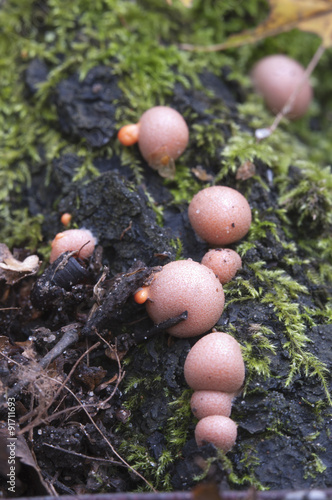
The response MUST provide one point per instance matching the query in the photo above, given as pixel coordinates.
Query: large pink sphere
(275, 78)
(220, 215)
(215, 363)
(185, 285)
(218, 430)
(163, 136)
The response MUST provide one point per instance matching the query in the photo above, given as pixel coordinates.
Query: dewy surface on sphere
(220, 215)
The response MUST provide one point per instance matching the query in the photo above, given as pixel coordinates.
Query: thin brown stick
(85, 353)
(59, 403)
(121, 372)
(49, 418)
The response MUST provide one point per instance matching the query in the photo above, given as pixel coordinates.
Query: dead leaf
(103, 386)
(245, 171)
(8, 349)
(4, 342)
(186, 3)
(321, 26)
(28, 265)
(201, 174)
(314, 16)
(13, 270)
(90, 376)
(206, 491)
(114, 354)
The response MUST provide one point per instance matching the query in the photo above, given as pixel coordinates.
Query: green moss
(176, 430)
(242, 147)
(177, 244)
(22, 229)
(311, 199)
(314, 466)
(184, 186)
(178, 424)
(247, 478)
(256, 353)
(280, 292)
(281, 299)
(207, 138)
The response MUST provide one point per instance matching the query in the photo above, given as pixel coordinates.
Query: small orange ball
(141, 295)
(65, 219)
(128, 134)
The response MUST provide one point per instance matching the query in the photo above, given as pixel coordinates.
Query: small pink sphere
(163, 136)
(220, 215)
(80, 240)
(185, 285)
(206, 403)
(218, 430)
(215, 363)
(224, 262)
(275, 78)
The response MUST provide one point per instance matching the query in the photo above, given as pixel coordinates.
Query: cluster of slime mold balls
(219, 215)
(214, 367)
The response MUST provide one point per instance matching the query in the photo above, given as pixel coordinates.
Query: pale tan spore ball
(206, 403)
(185, 285)
(224, 262)
(220, 215)
(218, 430)
(81, 240)
(163, 136)
(215, 363)
(275, 78)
